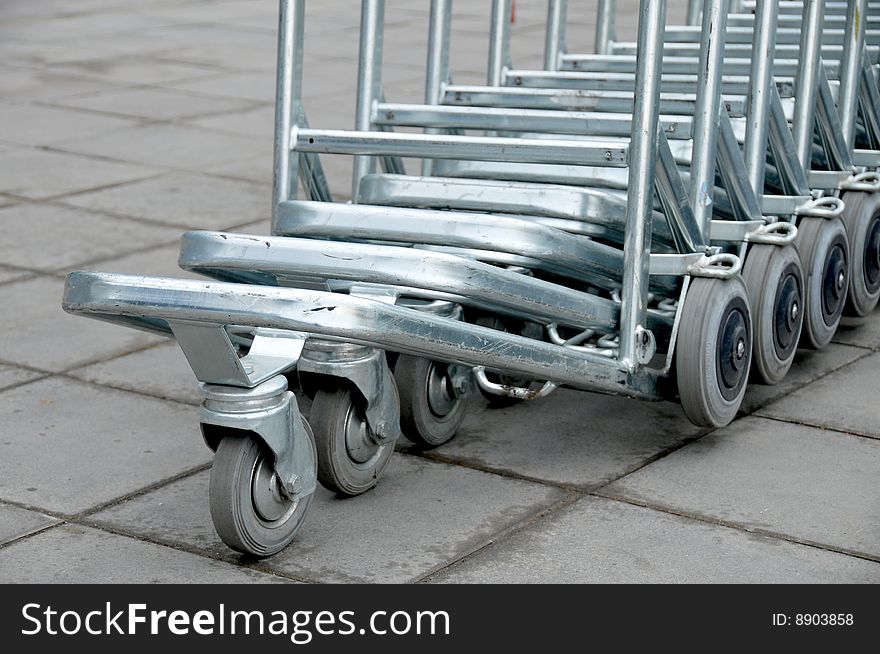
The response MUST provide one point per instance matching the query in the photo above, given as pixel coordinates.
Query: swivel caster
(825, 259)
(861, 217)
(714, 350)
(350, 457)
(433, 399)
(251, 511)
(775, 283)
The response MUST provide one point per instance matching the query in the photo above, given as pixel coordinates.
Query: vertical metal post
(806, 81)
(640, 195)
(554, 43)
(693, 12)
(708, 111)
(758, 101)
(288, 99)
(369, 80)
(605, 32)
(437, 71)
(499, 41)
(850, 67)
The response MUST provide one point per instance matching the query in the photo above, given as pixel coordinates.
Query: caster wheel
(825, 258)
(431, 409)
(714, 350)
(862, 221)
(250, 511)
(349, 460)
(775, 283)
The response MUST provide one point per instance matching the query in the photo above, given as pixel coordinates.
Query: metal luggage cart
(687, 118)
(838, 42)
(323, 312)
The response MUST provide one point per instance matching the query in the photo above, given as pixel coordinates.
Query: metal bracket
(718, 266)
(827, 206)
(367, 369)
(215, 359)
(270, 411)
(779, 233)
(868, 181)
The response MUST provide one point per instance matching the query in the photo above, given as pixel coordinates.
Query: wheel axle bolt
(840, 279)
(794, 310)
(740, 349)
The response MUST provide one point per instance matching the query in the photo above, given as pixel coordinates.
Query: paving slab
(602, 541)
(252, 168)
(161, 371)
(154, 103)
(38, 333)
(570, 437)
(257, 86)
(71, 554)
(39, 84)
(137, 70)
(69, 446)
(258, 122)
(14, 376)
(185, 200)
(163, 144)
(33, 124)
(49, 238)
(808, 484)
(9, 274)
(16, 522)
(160, 262)
(61, 173)
(420, 516)
(864, 332)
(808, 366)
(846, 400)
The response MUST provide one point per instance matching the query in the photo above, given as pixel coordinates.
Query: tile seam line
(736, 526)
(502, 536)
(833, 430)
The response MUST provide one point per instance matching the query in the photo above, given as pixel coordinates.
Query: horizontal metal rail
(477, 148)
(677, 104)
(150, 303)
(624, 63)
(595, 124)
(295, 259)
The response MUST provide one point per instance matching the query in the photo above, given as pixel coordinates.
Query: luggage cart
(838, 46)
(323, 312)
(491, 106)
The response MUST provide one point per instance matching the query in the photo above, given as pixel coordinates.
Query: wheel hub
(872, 256)
(734, 350)
(834, 282)
(270, 501)
(441, 394)
(358, 442)
(787, 313)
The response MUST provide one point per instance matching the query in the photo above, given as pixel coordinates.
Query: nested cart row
(663, 219)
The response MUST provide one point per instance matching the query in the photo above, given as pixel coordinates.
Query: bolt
(740, 349)
(841, 277)
(608, 155)
(795, 309)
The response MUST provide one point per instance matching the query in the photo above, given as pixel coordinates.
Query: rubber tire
(763, 272)
(418, 422)
(861, 218)
(337, 472)
(231, 500)
(707, 302)
(815, 238)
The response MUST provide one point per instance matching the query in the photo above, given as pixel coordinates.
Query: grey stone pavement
(123, 123)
